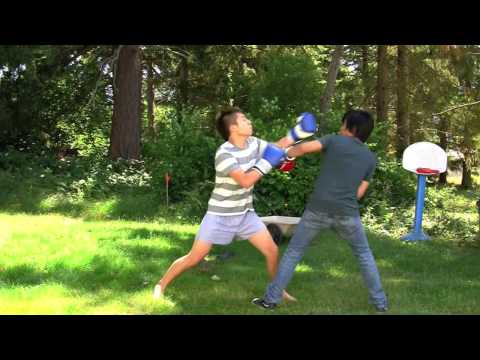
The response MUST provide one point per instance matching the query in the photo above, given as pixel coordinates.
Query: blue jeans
(349, 228)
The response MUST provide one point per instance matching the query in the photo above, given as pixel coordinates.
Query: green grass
(75, 255)
(54, 264)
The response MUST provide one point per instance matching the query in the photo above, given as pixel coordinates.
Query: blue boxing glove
(272, 157)
(306, 127)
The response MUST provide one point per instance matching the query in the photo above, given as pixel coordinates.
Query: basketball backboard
(425, 158)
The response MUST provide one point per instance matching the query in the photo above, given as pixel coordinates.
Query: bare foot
(158, 292)
(288, 297)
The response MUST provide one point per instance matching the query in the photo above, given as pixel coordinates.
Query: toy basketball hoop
(424, 159)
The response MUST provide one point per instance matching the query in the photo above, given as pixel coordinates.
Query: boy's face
(243, 127)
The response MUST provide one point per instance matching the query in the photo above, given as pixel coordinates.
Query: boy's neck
(351, 136)
(239, 141)
(346, 133)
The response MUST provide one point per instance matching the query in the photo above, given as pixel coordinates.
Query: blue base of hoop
(416, 236)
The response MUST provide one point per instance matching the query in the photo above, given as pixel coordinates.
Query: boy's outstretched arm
(284, 142)
(305, 148)
(272, 157)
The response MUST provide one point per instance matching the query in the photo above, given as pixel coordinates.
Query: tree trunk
(443, 144)
(364, 72)
(381, 83)
(403, 132)
(414, 121)
(150, 99)
(466, 174)
(182, 99)
(125, 134)
(326, 100)
(468, 154)
(468, 151)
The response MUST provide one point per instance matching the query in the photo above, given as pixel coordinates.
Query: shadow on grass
(130, 204)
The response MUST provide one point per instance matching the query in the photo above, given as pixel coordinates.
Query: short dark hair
(360, 123)
(225, 118)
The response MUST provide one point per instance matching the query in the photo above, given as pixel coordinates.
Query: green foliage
(66, 77)
(449, 219)
(286, 85)
(391, 186)
(74, 177)
(286, 194)
(389, 206)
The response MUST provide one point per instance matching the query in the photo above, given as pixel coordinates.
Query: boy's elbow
(361, 195)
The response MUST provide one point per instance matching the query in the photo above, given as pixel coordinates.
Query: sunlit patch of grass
(53, 264)
(54, 299)
(336, 272)
(303, 268)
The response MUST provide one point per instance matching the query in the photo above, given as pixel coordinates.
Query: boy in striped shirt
(239, 163)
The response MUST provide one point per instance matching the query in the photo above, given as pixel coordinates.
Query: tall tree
(333, 68)
(464, 65)
(403, 132)
(364, 71)
(326, 100)
(468, 157)
(381, 95)
(183, 88)
(443, 127)
(125, 133)
(150, 98)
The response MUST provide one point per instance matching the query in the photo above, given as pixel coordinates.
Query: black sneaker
(225, 256)
(381, 309)
(263, 304)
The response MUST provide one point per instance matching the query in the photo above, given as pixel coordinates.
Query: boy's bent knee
(193, 259)
(271, 251)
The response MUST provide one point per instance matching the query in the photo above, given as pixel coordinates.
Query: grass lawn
(57, 264)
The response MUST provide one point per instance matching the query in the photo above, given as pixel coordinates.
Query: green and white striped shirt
(228, 197)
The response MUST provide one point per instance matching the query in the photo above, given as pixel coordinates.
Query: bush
(188, 156)
(78, 177)
(286, 194)
(391, 186)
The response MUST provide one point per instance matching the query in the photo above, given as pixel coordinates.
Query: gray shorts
(221, 230)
